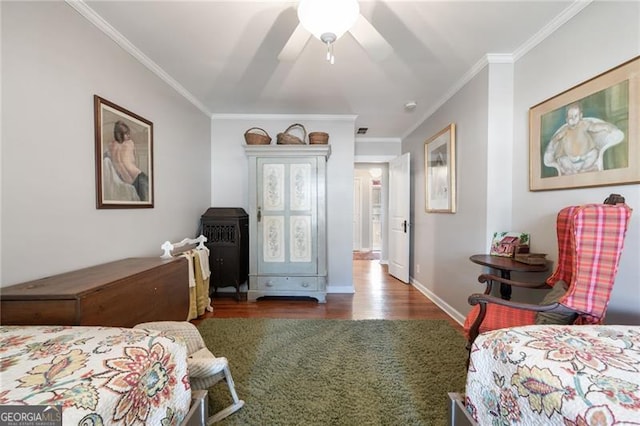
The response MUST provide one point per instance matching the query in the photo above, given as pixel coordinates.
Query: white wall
(575, 52)
(374, 150)
(229, 177)
(54, 61)
(499, 148)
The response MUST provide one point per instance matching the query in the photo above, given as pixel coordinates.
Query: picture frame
(440, 171)
(123, 156)
(509, 243)
(588, 135)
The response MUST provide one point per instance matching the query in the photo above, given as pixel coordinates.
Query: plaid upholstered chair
(590, 241)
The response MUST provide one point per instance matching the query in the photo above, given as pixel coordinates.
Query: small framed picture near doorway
(124, 157)
(440, 171)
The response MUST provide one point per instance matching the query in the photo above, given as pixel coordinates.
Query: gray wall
(54, 61)
(574, 53)
(441, 244)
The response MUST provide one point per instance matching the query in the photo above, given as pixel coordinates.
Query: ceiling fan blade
(370, 39)
(295, 44)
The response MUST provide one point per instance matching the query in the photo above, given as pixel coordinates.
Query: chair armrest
(490, 278)
(479, 298)
(484, 299)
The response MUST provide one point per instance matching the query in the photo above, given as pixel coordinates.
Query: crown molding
(313, 117)
(373, 158)
(475, 69)
(90, 15)
(504, 58)
(378, 140)
(499, 58)
(572, 10)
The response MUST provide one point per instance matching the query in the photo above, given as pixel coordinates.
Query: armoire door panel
(300, 187)
(273, 235)
(300, 242)
(273, 187)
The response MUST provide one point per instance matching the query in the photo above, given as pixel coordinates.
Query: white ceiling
(223, 55)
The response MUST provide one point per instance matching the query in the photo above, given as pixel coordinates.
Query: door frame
(381, 160)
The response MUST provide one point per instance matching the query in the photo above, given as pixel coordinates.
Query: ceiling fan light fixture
(328, 39)
(328, 20)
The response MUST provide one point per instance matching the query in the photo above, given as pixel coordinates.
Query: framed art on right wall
(588, 135)
(440, 171)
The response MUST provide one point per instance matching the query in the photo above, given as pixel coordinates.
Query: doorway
(370, 206)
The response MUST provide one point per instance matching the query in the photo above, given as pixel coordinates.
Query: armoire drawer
(288, 283)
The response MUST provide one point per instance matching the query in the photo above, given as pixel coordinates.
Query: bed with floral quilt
(98, 375)
(555, 375)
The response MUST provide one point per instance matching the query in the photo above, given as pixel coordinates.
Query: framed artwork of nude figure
(124, 157)
(589, 134)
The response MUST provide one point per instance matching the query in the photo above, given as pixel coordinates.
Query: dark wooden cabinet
(227, 233)
(116, 294)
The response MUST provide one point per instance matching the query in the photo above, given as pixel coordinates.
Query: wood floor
(377, 296)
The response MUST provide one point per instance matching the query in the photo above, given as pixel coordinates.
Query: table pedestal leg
(505, 289)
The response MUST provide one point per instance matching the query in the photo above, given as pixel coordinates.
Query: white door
(357, 213)
(399, 205)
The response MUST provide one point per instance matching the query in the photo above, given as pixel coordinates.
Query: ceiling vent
(362, 130)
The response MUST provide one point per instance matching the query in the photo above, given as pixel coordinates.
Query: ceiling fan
(327, 20)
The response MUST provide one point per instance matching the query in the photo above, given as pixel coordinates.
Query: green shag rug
(337, 372)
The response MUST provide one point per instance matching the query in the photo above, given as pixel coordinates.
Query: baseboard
(448, 309)
(340, 289)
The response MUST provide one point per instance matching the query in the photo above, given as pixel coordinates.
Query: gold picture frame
(588, 135)
(124, 157)
(440, 171)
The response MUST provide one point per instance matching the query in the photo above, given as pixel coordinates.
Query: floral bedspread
(99, 375)
(556, 375)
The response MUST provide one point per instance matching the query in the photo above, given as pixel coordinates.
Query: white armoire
(287, 220)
